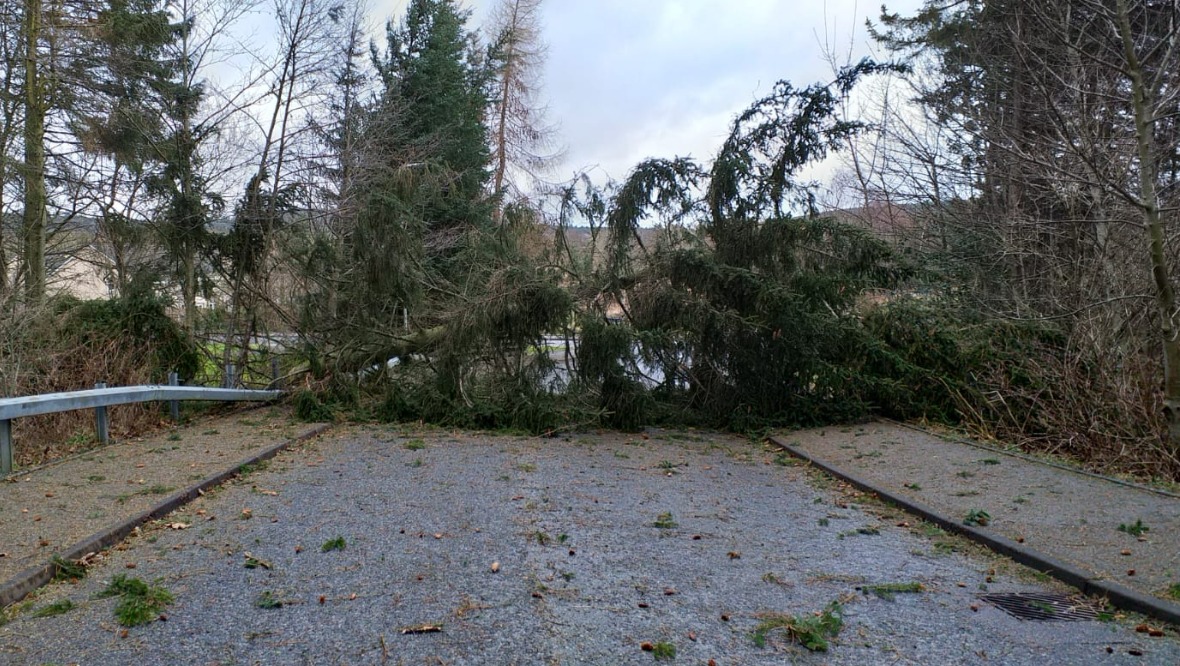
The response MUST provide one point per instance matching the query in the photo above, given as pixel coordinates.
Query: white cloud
(631, 79)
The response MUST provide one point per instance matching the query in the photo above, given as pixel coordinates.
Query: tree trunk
(1165, 294)
(33, 226)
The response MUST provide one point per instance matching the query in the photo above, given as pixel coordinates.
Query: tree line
(1000, 255)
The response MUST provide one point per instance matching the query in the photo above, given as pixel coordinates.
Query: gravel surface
(584, 574)
(45, 510)
(1073, 517)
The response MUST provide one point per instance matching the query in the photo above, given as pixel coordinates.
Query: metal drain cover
(1044, 607)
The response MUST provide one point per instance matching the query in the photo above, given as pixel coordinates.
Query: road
(600, 544)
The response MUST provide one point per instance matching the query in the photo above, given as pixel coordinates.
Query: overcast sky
(630, 79)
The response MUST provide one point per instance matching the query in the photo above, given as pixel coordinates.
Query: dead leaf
(178, 526)
(247, 514)
(643, 605)
(692, 636)
(51, 494)
(1125, 552)
(437, 535)
(647, 647)
(734, 555)
(253, 562)
(130, 565)
(323, 599)
(1130, 572)
(495, 567)
(423, 629)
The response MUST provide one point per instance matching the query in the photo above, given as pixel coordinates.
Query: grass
(913, 486)
(139, 603)
(1173, 591)
(417, 462)
(56, 608)
(333, 544)
(542, 538)
(990, 461)
(174, 437)
(526, 467)
(664, 521)
(889, 591)
(964, 474)
(785, 460)
(663, 651)
(415, 445)
(811, 631)
(977, 517)
(1135, 529)
(96, 478)
(157, 489)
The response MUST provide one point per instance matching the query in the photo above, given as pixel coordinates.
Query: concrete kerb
(1118, 595)
(25, 582)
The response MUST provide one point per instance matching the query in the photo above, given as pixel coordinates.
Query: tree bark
(1165, 294)
(33, 222)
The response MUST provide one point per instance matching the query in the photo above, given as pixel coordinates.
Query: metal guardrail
(100, 398)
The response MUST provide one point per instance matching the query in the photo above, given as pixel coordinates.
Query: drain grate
(1044, 607)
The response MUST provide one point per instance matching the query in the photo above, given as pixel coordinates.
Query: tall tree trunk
(33, 227)
(1165, 294)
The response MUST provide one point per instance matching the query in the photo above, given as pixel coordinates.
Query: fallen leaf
(130, 565)
(692, 636)
(669, 591)
(1135, 652)
(696, 537)
(647, 647)
(352, 597)
(437, 535)
(537, 595)
(1125, 552)
(247, 514)
(734, 555)
(724, 617)
(643, 604)
(178, 526)
(712, 662)
(298, 549)
(51, 494)
(495, 567)
(123, 633)
(323, 600)
(1130, 572)
(423, 629)
(975, 607)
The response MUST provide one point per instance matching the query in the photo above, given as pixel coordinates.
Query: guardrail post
(100, 419)
(174, 405)
(230, 378)
(274, 373)
(5, 447)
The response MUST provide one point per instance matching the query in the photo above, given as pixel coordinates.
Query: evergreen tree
(433, 74)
